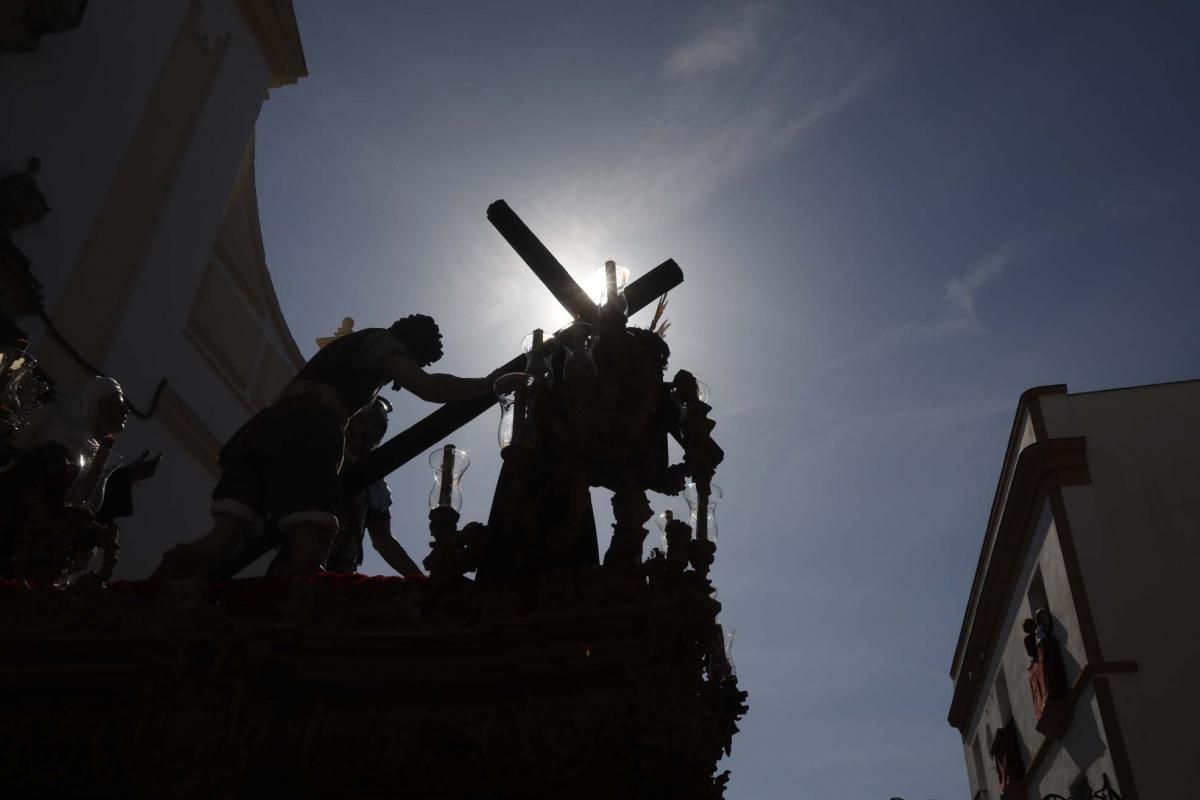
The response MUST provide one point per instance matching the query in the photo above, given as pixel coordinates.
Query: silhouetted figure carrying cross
(283, 465)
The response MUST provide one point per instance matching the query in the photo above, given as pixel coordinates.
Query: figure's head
(86, 411)
(368, 427)
(422, 337)
(112, 413)
(99, 406)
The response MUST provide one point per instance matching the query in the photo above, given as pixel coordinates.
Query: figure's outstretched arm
(379, 526)
(434, 387)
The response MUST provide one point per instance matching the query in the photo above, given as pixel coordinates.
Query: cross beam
(544, 265)
(407, 445)
(410, 443)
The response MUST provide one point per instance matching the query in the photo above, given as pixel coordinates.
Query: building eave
(292, 350)
(1026, 404)
(273, 23)
(1039, 468)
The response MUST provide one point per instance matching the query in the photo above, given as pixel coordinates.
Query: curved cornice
(273, 23)
(268, 286)
(1027, 406)
(1039, 468)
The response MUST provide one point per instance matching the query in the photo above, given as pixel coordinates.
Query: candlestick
(447, 475)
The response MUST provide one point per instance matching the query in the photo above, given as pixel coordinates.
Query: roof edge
(1041, 467)
(1025, 403)
(273, 23)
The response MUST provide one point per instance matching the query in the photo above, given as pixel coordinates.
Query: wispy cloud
(735, 95)
(741, 90)
(959, 314)
(726, 44)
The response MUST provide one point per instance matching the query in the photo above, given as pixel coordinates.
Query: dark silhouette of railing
(1105, 792)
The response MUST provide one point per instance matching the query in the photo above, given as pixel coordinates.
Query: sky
(893, 218)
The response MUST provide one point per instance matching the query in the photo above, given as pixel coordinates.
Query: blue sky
(893, 218)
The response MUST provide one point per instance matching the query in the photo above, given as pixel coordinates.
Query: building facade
(141, 117)
(1078, 644)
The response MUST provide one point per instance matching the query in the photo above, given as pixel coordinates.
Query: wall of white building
(1064, 761)
(77, 103)
(1136, 528)
(74, 103)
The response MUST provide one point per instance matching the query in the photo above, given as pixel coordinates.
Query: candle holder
(448, 464)
(445, 499)
(442, 561)
(516, 392)
(538, 349)
(702, 503)
(609, 284)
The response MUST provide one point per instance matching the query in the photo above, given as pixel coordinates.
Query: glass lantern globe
(516, 392)
(600, 283)
(705, 528)
(448, 464)
(537, 347)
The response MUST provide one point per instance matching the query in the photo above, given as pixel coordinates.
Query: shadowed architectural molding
(1040, 467)
(89, 310)
(186, 426)
(235, 322)
(273, 23)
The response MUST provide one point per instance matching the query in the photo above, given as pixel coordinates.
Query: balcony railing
(1105, 792)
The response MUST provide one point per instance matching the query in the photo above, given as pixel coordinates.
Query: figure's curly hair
(422, 337)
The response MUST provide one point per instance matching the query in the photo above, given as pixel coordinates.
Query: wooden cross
(409, 444)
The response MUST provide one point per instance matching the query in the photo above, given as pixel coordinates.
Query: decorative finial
(346, 327)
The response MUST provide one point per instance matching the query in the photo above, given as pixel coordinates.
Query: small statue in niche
(1047, 677)
(1006, 755)
(50, 498)
(1030, 639)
